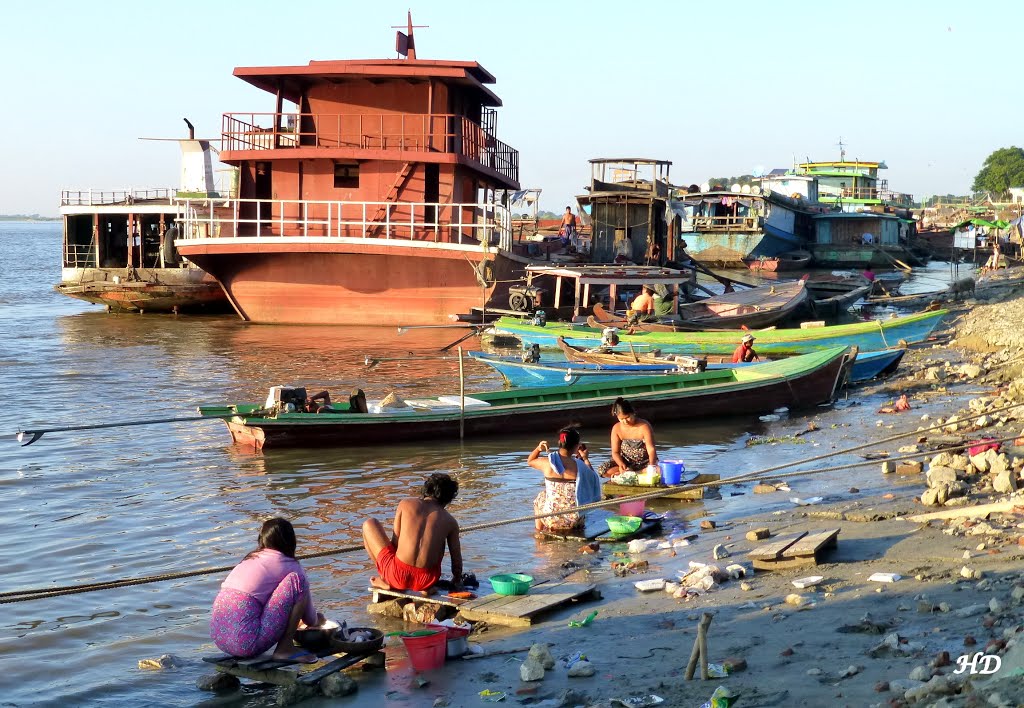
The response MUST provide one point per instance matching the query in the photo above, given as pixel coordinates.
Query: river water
(129, 502)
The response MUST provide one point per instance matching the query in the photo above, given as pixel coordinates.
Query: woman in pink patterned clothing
(264, 598)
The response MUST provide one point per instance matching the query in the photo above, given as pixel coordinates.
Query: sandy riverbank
(848, 640)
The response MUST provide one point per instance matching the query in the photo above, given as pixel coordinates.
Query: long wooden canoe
(797, 382)
(873, 335)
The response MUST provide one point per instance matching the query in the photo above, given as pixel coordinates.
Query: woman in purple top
(264, 599)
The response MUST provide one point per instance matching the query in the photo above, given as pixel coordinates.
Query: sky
(931, 88)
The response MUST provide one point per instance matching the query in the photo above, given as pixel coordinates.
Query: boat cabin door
(264, 193)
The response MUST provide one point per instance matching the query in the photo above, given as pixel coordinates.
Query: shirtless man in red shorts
(411, 558)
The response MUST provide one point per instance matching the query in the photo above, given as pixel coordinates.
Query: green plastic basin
(511, 583)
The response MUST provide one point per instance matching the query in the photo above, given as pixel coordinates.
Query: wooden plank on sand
(775, 548)
(805, 550)
(522, 610)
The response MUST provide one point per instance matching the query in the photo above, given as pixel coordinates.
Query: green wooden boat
(874, 335)
(797, 382)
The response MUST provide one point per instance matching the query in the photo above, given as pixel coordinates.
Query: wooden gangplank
(795, 550)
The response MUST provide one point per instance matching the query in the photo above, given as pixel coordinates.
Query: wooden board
(438, 599)
(686, 491)
(283, 673)
(794, 551)
(523, 610)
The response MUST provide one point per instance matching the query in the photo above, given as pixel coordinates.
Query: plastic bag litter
(492, 696)
(721, 698)
(717, 671)
(637, 701)
(805, 502)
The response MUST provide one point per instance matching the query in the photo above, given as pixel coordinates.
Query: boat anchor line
(11, 597)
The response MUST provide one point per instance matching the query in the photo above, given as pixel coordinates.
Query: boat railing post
(387, 213)
(412, 207)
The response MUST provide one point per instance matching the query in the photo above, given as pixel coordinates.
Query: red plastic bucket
(633, 508)
(427, 652)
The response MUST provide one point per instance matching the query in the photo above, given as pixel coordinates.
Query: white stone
(971, 611)
(995, 606)
(531, 670)
(938, 474)
(920, 673)
(1005, 482)
(542, 655)
(581, 669)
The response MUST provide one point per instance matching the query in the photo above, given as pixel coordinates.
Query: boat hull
(798, 383)
(866, 366)
(353, 281)
(736, 247)
(867, 336)
(150, 290)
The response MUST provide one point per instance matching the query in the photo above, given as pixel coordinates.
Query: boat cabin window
(346, 175)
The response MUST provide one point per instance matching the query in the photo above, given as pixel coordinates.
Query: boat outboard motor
(531, 354)
(540, 318)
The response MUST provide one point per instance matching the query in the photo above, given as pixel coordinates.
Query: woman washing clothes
(264, 599)
(632, 441)
(569, 481)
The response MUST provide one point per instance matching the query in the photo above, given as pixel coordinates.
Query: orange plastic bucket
(427, 652)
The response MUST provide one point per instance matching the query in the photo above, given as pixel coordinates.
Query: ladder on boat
(374, 226)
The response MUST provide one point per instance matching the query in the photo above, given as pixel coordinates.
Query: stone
(881, 687)
(581, 669)
(940, 475)
(944, 607)
(901, 686)
(758, 534)
(888, 467)
(930, 496)
(970, 641)
(911, 467)
(795, 600)
(941, 659)
(971, 611)
(1005, 482)
(1017, 594)
(531, 670)
(295, 693)
(995, 606)
(217, 682)
(788, 651)
(814, 672)
(849, 671)
(734, 664)
(571, 697)
(441, 702)
(920, 673)
(936, 686)
(971, 371)
(746, 587)
(765, 488)
(707, 524)
(388, 608)
(338, 684)
(720, 552)
(542, 654)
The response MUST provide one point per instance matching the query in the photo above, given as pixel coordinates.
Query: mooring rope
(42, 593)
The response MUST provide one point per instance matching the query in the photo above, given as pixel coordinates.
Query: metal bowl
(371, 645)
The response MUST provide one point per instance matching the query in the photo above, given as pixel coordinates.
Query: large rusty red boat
(372, 202)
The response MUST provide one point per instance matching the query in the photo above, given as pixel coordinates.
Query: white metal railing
(80, 255)
(486, 223)
(130, 195)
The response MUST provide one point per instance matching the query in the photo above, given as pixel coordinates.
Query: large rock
(542, 654)
(983, 461)
(531, 670)
(971, 371)
(940, 475)
(219, 681)
(581, 669)
(936, 686)
(1005, 482)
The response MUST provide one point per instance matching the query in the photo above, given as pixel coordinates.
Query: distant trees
(1003, 169)
(727, 182)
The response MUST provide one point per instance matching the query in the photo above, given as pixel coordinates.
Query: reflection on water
(132, 502)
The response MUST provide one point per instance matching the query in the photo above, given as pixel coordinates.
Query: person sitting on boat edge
(745, 353)
(264, 599)
(569, 481)
(319, 403)
(868, 273)
(632, 442)
(643, 304)
(411, 558)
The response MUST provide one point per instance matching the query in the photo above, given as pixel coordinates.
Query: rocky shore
(921, 602)
(845, 640)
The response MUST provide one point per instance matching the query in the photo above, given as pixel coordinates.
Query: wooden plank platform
(284, 673)
(504, 610)
(685, 492)
(795, 550)
(523, 610)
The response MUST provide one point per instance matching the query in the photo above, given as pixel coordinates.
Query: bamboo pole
(462, 398)
(700, 649)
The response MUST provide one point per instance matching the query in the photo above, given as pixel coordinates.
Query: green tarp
(998, 224)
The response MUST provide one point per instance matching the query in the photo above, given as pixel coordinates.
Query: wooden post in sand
(700, 649)
(462, 399)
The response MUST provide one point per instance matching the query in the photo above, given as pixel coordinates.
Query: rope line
(42, 593)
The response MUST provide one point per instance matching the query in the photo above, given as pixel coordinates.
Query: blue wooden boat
(870, 336)
(553, 372)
